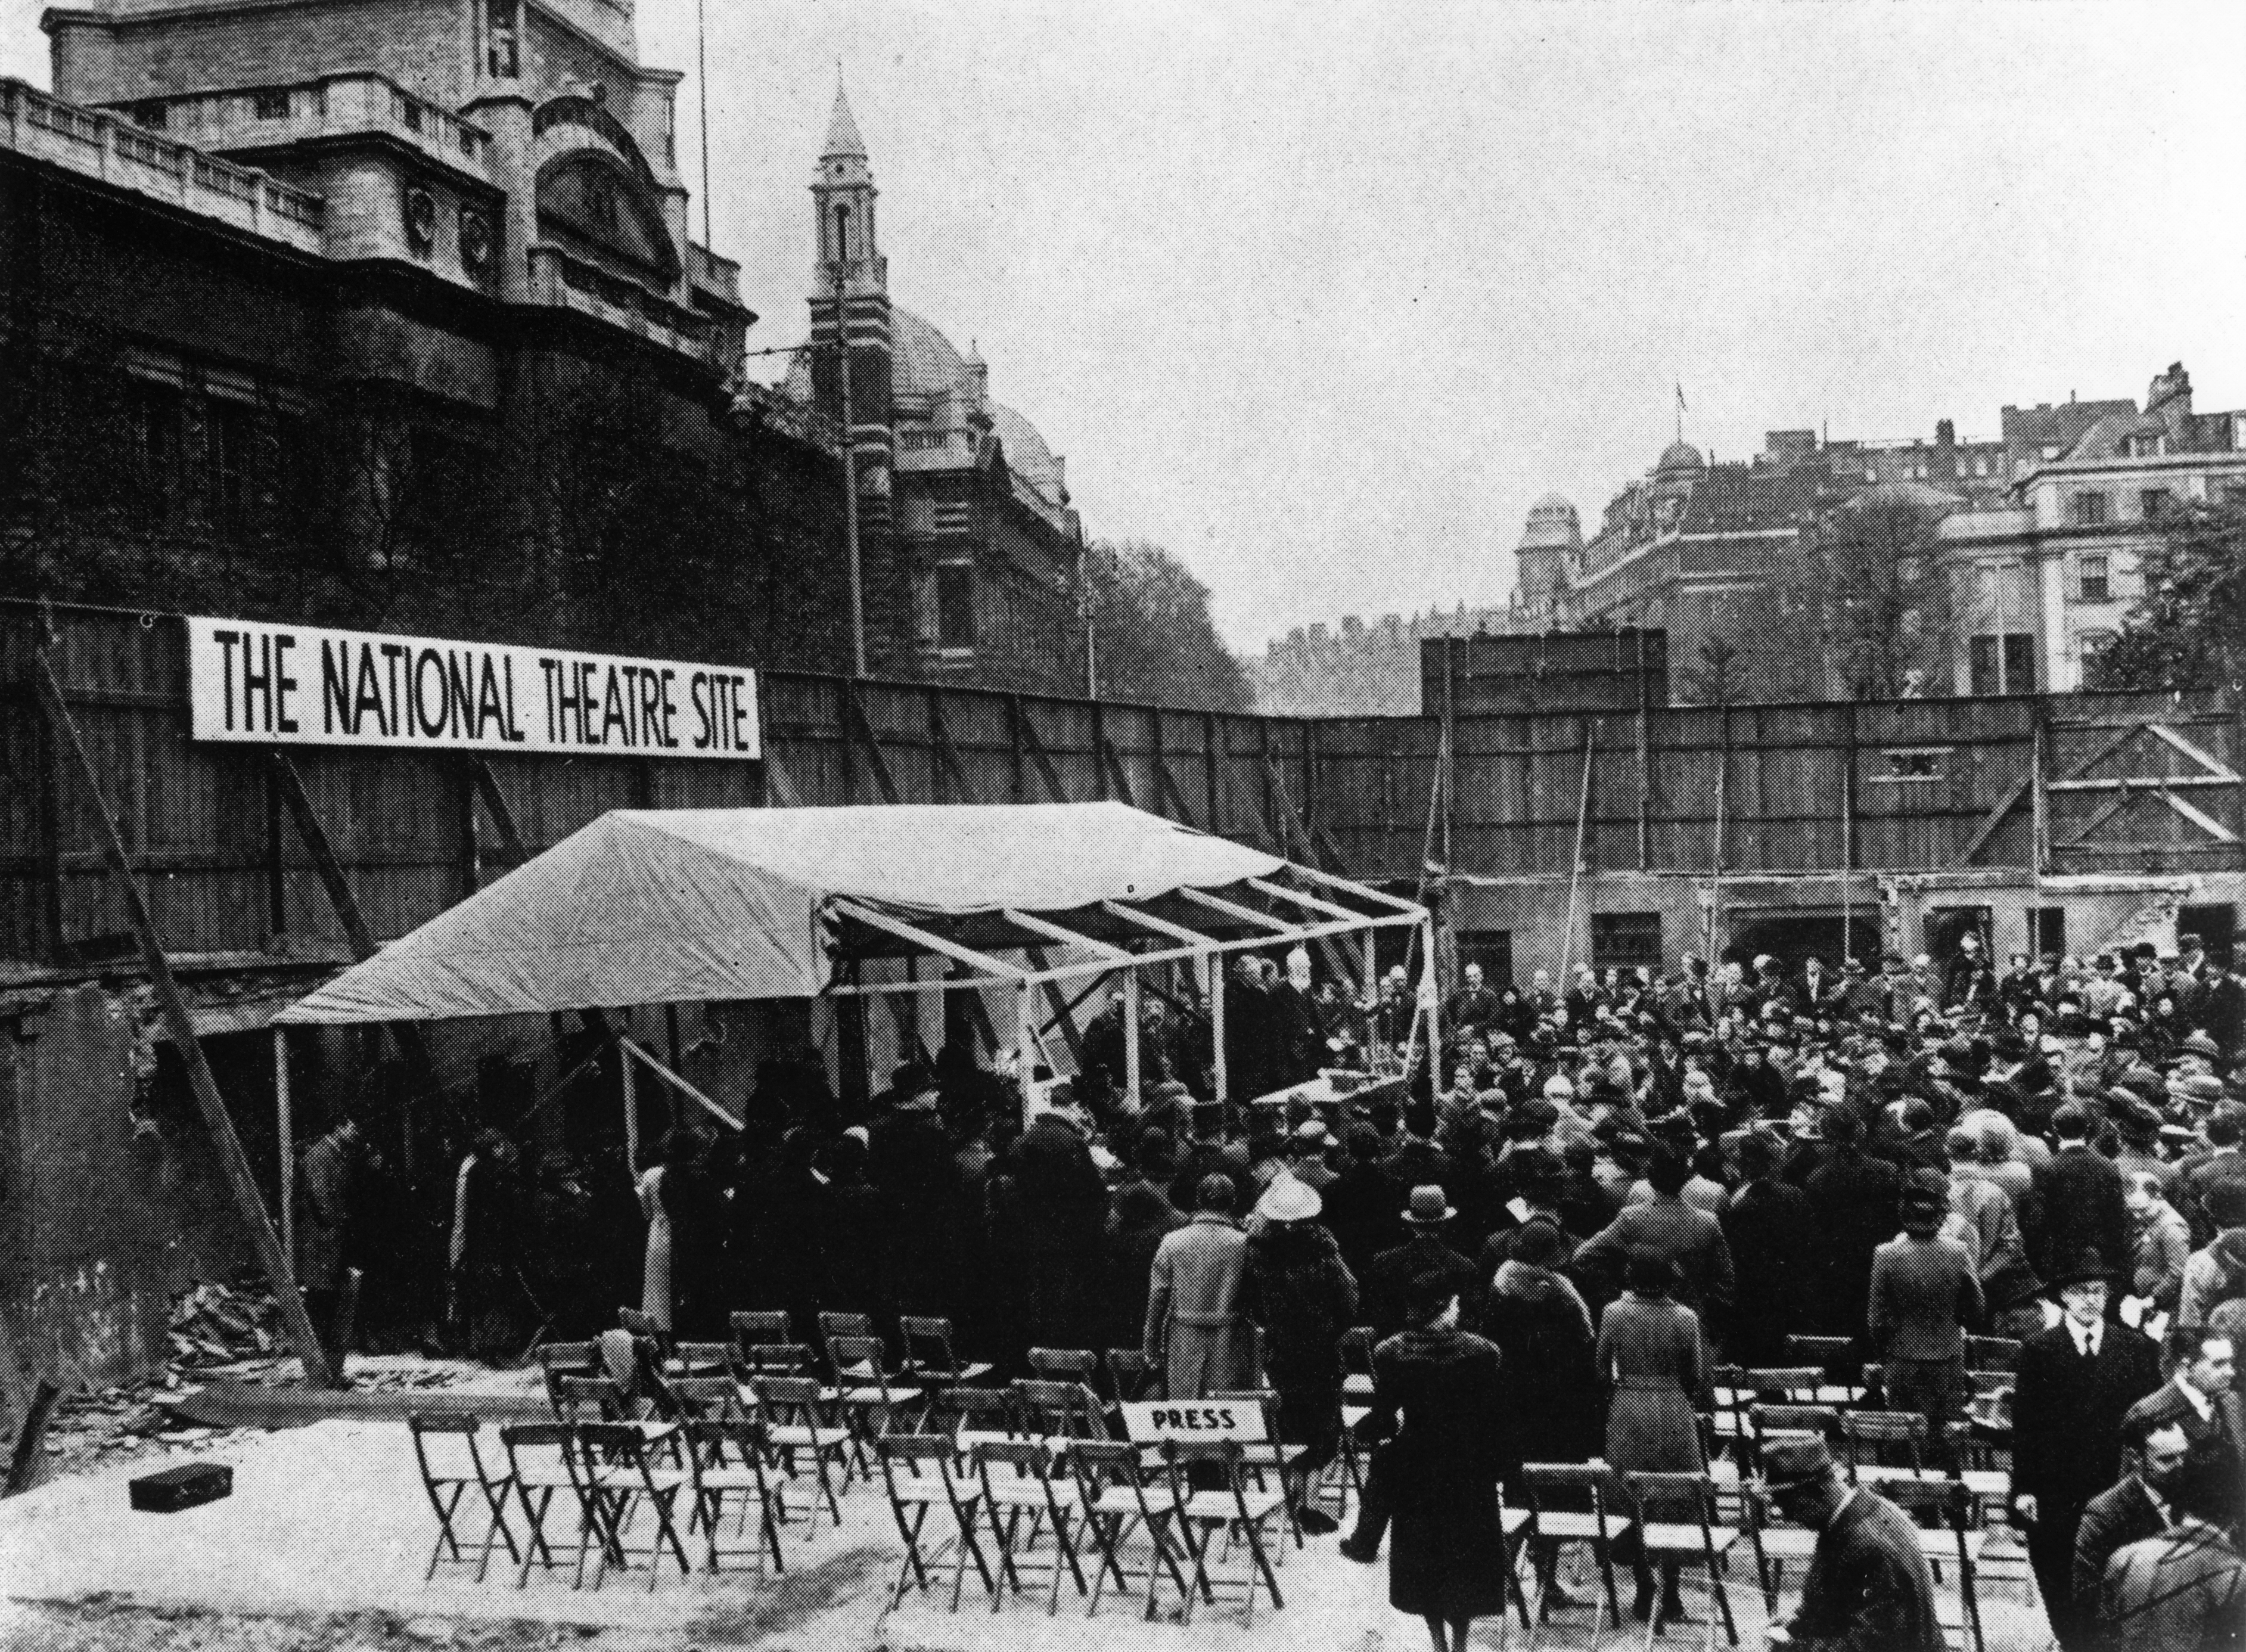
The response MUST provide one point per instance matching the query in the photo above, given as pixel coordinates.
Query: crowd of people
(1572, 1209)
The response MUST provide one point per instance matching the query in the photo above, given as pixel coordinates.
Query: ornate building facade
(968, 541)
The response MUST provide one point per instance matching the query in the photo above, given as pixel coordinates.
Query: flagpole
(702, 89)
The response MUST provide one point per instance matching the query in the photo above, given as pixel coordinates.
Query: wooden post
(1645, 761)
(1848, 834)
(631, 1110)
(248, 1203)
(1450, 769)
(1026, 1039)
(285, 1123)
(1575, 870)
(1221, 1077)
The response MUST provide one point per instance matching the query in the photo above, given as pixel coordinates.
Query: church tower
(850, 302)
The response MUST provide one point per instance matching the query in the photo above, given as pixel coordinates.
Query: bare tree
(1870, 588)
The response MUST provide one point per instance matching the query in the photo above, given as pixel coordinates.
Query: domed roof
(1679, 459)
(1027, 456)
(924, 362)
(1552, 526)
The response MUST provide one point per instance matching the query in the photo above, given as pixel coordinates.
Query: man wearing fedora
(2074, 1383)
(1426, 1219)
(1869, 1588)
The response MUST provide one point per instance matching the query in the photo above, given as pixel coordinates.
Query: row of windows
(2091, 508)
(245, 455)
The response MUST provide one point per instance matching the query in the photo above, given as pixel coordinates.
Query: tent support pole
(1025, 1036)
(631, 1106)
(1213, 969)
(1131, 1034)
(285, 1124)
(249, 1204)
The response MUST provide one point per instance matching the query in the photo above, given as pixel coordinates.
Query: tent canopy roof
(677, 905)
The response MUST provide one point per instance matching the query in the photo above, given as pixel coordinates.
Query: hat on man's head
(1311, 1135)
(1539, 1244)
(2200, 1090)
(2084, 1268)
(2200, 1045)
(1429, 1207)
(1288, 1200)
(1792, 1461)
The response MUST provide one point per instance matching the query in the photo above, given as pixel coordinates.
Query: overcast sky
(1322, 297)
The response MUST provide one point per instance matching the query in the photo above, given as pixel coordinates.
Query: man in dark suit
(2201, 1394)
(1389, 1274)
(2073, 1385)
(2077, 1202)
(1869, 1584)
(2135, 1508)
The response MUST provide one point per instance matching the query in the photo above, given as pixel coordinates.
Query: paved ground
(323, 1543)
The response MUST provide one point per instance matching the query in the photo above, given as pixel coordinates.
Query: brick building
(328, 280)
(967, 542)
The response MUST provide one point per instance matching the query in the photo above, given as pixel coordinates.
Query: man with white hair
(1473, 1007)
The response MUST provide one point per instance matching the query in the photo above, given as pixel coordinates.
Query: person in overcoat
(329, 1201)
(2072, 1386)
(1303, 1297)
(1195, 1329)
(1649, 1355)
(1543, 1333)
(2136, 1507)
(1769, 1232)
(1868, 1587)
(1438, 1389)
(1691, 1240)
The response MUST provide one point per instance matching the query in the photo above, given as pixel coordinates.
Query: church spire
(843, 139)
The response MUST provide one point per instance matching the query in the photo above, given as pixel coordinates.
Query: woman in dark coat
(1543, 1334)
(1448, 1565)
(1302, 1296)
(1649, 1355)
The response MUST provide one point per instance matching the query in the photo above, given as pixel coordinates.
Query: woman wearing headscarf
(1442, 1464)
(1301, 1296)
(1650, 1357)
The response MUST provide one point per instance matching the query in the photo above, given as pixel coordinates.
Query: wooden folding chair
(541, 1464)
(798, 1424)
(917, 1472)
(1131, 1375)
(1065, 1364)
(708, 1399)
(688, 1360)
(557, 1360)
(973, 1417)
(930, 1359)
(1697, 1539)
(1116, 1498)
(1023, 1477)
(1837, 1358)
(1234, 1510)
(1272, 1454)
(754, 1328)
(451, 1465)
(1775, 1543)
(1788, 1385)
(870, 1402)
(618, 1464)
(1551, 1526)
(1952, 1543)
(729, 1458)
(1883, 1431)
(1056, 1411)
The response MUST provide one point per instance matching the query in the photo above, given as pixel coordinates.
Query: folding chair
(617, 1464)
(916, 1470)
(833, 1325)
(1993, 1353)
(1951, 1544)
(541, 1463)
(930, 1359)
(1775, 1543)
(1356, 1350)
(728, 1458)
(1728, 1421)
(1065, 1364)
(1033, 1488)
(977, 1416)
(1884, 1428)
(796, 1421)
(1115, 1498)
(710, 1399)
(1836, 1358)
(441, 1442)
(557, 1360)
(869, 1402)
(1056, 1411)
(1791, 1384)
(1549, 1527)
(1131, 1375)
(758, 1327)
(1765, 1422)
(1698, 1539)
(699, 1359)
(1240, 1513)
(1272, 1453)
(778, 1359)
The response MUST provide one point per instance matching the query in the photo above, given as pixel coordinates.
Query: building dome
(1552, 526)
(923, 360)
(1027, 456)
(1680, 459)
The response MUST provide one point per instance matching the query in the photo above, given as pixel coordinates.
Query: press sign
(1148, 1422)
(300, 684)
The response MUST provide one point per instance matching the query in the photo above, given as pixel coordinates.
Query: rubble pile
(215, 1325)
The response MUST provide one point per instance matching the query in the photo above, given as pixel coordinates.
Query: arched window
(588, 200)
(842, 234)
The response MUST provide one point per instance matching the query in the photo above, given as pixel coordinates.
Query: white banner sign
(1146, 1421)
(301, 685)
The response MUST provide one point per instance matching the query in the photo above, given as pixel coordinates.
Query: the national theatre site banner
(302, 685)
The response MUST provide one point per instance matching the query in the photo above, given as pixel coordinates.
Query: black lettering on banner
(368, 697)
(284, 684)
(697, 688)
(335, 688)
(226, 640)
(670, 710)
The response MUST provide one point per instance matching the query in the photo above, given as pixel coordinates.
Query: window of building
(1945, 924)
(228, 441)
(2089, 509)
(1625, 940)
(842, 234)
(2155, 503)
(156, 417)
(270, 105)
(2003, 664)
(2047, 930)
(154, 116)
(2094, 582)
(1492, 949)
(955, 605)
(503, 49)
(2019, 664)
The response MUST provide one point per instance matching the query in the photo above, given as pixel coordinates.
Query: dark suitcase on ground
(182, 1487)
